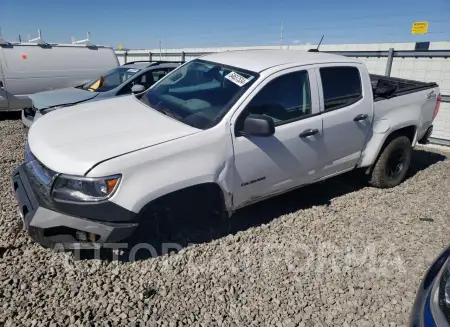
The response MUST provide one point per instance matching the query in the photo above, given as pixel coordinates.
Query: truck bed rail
(403, 86)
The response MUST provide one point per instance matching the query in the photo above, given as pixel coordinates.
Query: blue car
(137, 75)
(432, 305)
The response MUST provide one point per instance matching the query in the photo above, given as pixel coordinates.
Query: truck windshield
(199, 93)
(110, 80)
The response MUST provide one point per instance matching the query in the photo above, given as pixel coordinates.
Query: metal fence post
(125, 55)
(183, 56)
(150, 56)
(390, 60)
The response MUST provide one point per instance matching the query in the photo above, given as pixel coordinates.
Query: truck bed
(403, 86)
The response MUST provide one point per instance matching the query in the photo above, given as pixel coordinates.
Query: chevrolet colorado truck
(218, 133)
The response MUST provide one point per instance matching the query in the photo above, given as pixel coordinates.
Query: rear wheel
(392, 165)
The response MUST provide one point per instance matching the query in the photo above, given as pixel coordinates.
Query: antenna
(317, 49)
(320, 42)
(281, 35)
(38, 40)
(86, 41)
(2, 40)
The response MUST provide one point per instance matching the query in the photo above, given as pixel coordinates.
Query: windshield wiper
(170, 114)
(166, 112)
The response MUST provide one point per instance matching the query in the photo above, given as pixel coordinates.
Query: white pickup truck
(218, 133)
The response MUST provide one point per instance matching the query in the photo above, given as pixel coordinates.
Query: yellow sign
(419, 28)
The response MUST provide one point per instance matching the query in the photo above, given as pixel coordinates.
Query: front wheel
(393, 163)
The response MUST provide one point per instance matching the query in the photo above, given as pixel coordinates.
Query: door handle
(360, 117)
(309, 132)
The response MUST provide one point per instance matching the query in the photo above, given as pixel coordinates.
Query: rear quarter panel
(413, 109)
(147, 174)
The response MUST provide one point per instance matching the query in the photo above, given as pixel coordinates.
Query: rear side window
(341, 86)
(151, 77)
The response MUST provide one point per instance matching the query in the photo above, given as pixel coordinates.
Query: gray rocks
(334, 254)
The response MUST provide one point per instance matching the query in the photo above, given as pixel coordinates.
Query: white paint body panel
(291, 160)
(157, 155)
(344, 138)
(76, 144)
(413, 109)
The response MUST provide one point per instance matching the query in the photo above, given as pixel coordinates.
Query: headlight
(444, 291)
(84, 189)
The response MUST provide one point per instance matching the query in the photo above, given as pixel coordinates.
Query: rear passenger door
(347, 109)
(265, 166)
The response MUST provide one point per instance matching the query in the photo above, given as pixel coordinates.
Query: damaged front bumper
(68, 225)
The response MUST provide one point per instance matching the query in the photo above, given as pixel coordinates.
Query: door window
(285, 99)
(341, 86)
(151, 77)
(147, 79)
(111, 79)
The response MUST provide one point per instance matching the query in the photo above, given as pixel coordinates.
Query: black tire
(392, 164)
(186, 217)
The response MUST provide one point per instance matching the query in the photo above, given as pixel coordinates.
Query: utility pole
(160, 54)
(281, 35)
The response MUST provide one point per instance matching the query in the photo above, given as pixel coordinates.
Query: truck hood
(60, 97)
(73, 140)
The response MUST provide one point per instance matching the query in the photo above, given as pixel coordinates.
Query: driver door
(266, 166)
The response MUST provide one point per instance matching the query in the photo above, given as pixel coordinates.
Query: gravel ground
(333, 254)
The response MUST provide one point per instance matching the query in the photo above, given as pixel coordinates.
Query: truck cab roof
(260, 60)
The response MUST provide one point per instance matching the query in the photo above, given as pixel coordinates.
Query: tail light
(438, 104)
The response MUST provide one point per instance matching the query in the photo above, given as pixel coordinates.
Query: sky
(140, 24)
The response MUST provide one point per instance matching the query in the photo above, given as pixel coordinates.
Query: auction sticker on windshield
(236, 78)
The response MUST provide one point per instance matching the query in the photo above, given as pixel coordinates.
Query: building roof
(259, 60)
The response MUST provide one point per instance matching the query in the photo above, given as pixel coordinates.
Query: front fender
(147, 174)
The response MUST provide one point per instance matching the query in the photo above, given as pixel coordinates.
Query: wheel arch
(378, 142)
(210, 189)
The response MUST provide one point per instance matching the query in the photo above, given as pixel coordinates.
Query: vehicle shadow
(10, 115)
(422, 159)
(317, 194)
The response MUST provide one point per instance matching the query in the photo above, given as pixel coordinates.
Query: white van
(27, 68)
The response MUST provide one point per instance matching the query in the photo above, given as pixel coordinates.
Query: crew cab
(216, 134)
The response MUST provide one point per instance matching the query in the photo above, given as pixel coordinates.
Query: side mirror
(258, 125)
(137, 88)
